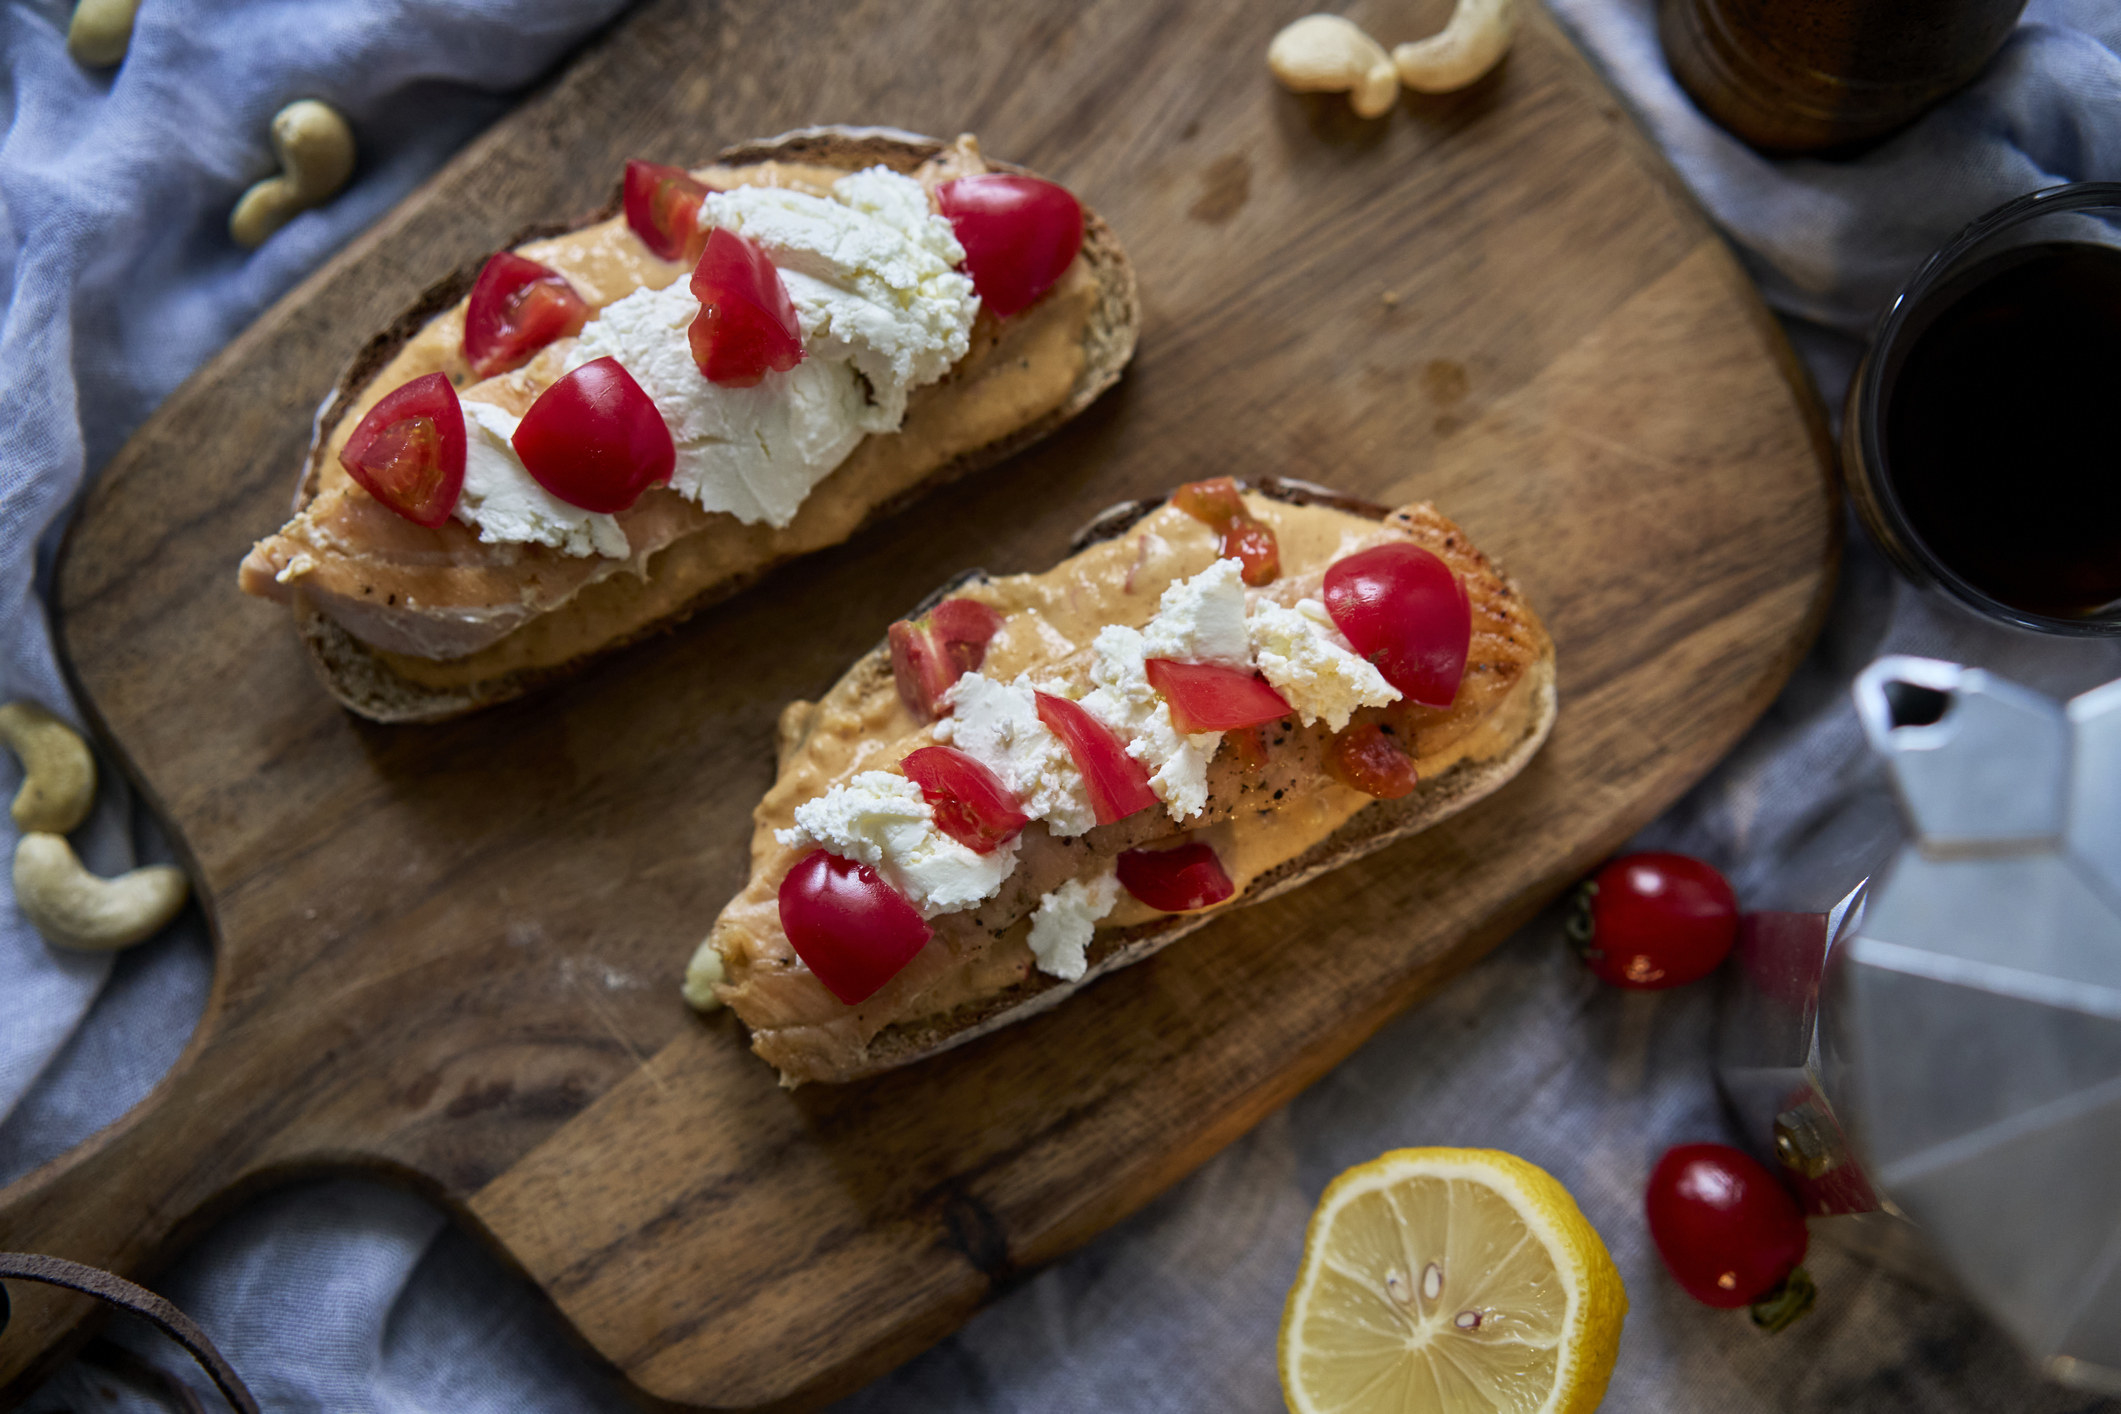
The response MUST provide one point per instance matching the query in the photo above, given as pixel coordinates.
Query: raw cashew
(1328, 54)
(100, 32)
(316, 152)
(58, 774)
(701, 974)
(1471, 44)
(73, 908)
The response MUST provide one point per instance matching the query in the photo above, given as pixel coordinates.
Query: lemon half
(1460, 1281)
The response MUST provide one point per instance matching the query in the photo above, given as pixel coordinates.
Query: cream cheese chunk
(997, 725)
(1062, 925)
(1202, 619)
(1124, 701)
(503, 502)
(1305, 658)
(880, 819)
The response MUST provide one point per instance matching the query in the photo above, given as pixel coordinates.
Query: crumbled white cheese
(1124, 701)
(1202, 619)
(1308, 662)
(879, 819)
(1064, 921)
(997, 725)
(505, 503)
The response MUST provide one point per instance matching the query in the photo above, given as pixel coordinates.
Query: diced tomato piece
(663, 209)
(1249, 746)
(1208, 697)
(848, 926)
(408, 452)
(1175, 880)
(517, 307)
(971, 804)
(930, 653)
(1403, 609)
(1019, 235)
(1368, 756)
(1218, 504)
(746, 327)
(1118, 785)
(595, 440)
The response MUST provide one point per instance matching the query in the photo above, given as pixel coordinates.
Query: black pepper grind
(1807, 75)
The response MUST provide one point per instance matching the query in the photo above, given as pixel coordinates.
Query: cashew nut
(1329, 54)
(1471, 44)
(316, 152)
(701, 975)
(58, 774)
(73, 908)
(100, 32)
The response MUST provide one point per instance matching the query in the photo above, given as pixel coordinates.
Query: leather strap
(93, 1281)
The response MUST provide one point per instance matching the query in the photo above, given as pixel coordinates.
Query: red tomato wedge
(1118, 784)
(971, 804)
(517, 307)
(746, 326)
(1404, 610)
(1219, 505)
(1368, 757)
(595, 440)
(847, 925)
(930, 653)
(1019, 235)
(1208, 697)
(408, 452)
(663, 209)
(1175, 880)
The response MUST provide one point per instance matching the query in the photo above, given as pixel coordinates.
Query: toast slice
(391, 665)
(972, 980)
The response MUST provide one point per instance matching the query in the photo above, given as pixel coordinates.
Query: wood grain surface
(451, 955)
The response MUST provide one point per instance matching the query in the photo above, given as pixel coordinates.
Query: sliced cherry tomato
(847, 925)
(931, 652)
(1249, 746)
(1118, 785)
(1019, 235)
(595, 440)
(517, 307)
(408, 452)
(663, 209)
(1650, 921)
(1370, 757)
(1208, 697)
(1403, 609)
(746, 326)
(1731, 1235)
(1218, 504)
(1175, 880)
(971, 804)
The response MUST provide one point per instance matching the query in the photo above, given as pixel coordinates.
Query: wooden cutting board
(451, 955)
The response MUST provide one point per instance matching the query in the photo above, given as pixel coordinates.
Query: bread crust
(363, 682)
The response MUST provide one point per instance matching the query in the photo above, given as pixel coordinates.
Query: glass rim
(1869, 409)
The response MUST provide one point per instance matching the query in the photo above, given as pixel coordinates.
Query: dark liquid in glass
(2002, 427)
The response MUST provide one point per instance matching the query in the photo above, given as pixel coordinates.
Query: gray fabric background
(347, 1296)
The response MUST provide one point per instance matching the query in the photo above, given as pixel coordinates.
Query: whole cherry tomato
(1731, 1235)
(1218, 504)
(517, 307)
(1403, 609)
(848, 926)
(1019, 235)
(663, 209)
(1373, 759)
(409, 451)
(1655, 920)
(1175, 880)
(1117, 784)
(971, 804)
(932, 652)
(595, 439)
(746, 327)
(1208, 697)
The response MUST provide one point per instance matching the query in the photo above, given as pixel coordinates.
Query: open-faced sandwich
(576, 444)
(1043, 777)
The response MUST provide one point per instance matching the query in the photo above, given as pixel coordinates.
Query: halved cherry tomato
(1019, 235)
(1208, 697)
(847, 925)
(1729, 1233)
(1403, 609)
(663, 209)
(971, 804)
(1369, 757)
(595, 440)
(1218, 504)
(517, 307)
(931, 652)
(1649, 921)
(1118, 785)
(1175, 880)
(746, 326)
(408, 452)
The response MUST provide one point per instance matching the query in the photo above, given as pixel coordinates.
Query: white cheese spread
(1124, 701)
(1062, 924)
(1305, 658)
(505, 503)
(881, 820)
(997, 725)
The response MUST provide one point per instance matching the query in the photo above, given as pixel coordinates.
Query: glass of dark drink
(1982, 442)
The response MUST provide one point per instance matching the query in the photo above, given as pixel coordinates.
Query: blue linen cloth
(344, 1296)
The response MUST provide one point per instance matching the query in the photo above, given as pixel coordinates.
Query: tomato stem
(1791, 1298)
